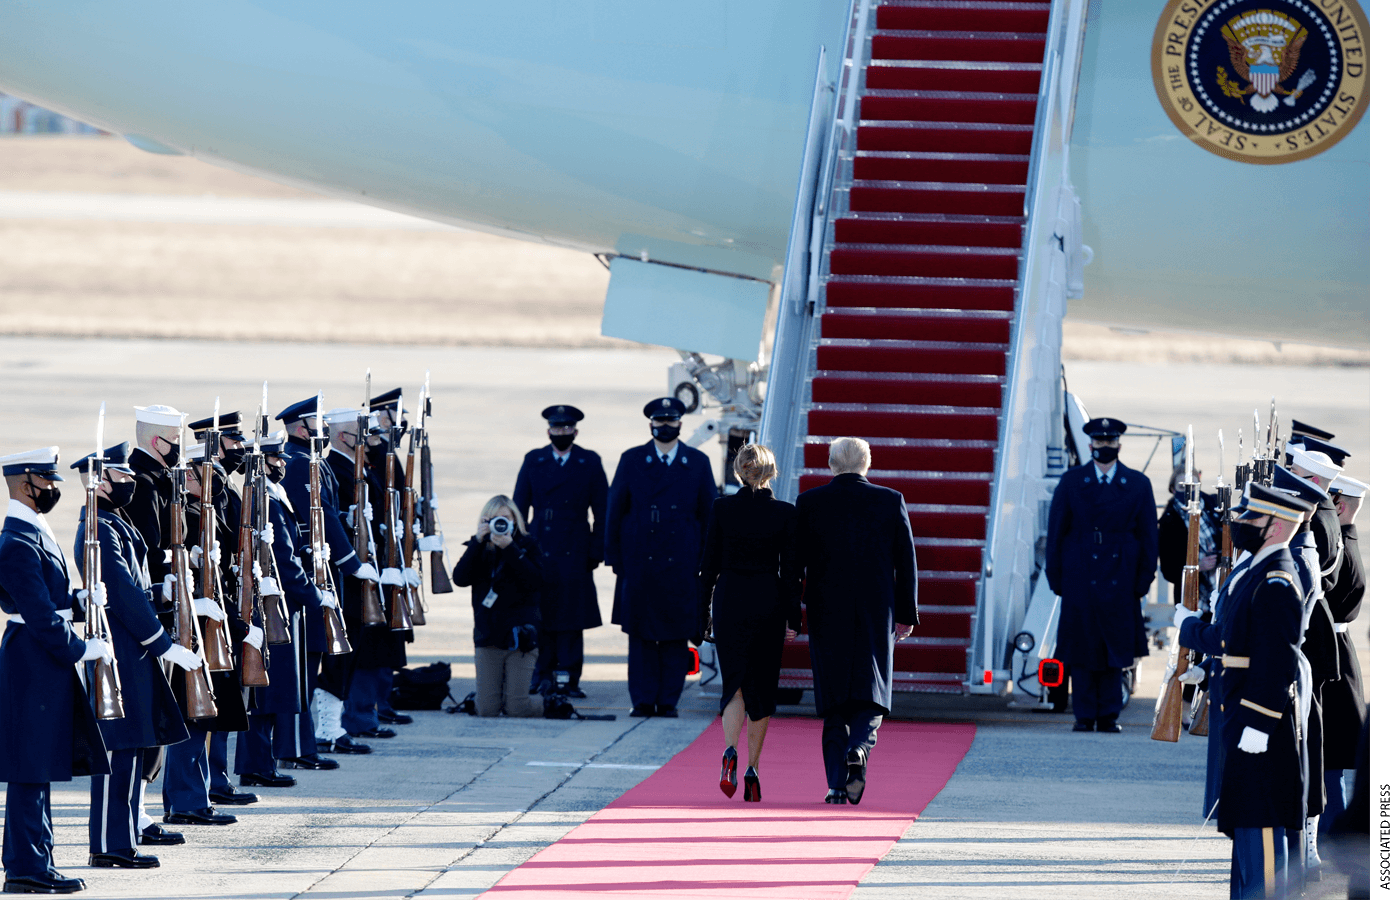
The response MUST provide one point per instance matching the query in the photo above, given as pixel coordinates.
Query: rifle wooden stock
(254, 661)
(337, 642)
(399, 605)
(106, 687)
(198, 693)
(1166, 719)
(408, 505)
(276, 619)
(1200, 712)
(217, 647)
(371, 602)
(442, 584)
(1224, 565)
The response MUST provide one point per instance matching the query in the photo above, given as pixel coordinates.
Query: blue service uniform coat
(153, 717)
(1100, 558)
(48, 731)
(555, 501)
(856, 549)
(287, 662)
(296, 484)
(656, 519)
(1261, 619)
(378, 646)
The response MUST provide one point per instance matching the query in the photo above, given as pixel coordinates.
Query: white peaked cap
(1350, 487)
(1314, 461)
(342, 414)
(43, 462)
(160, 415)
(195, 453)
(276, 437)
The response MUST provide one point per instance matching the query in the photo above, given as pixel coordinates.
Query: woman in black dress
(750, 569)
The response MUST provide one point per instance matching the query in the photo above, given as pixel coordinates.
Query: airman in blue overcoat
(658, 509)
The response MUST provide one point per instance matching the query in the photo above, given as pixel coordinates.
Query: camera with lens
(555, 694)
(501, 525)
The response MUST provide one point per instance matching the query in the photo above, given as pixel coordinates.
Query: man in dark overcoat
(557, 487)
(48, 731)
(152, 714)
(856, 551)
(658, 507)
(1257, 633)
(1100, 558)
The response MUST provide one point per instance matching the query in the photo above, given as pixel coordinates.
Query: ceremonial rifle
(400, 618)
(106, 683)
(199, 686)
(321, 575)
(1166, 718)
(1224, 563)
(216, 639)
(274, 608)
(409, 505)
(442, 584)
(371, 600)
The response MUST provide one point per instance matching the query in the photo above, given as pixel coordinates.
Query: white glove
(267, 536)
(97, 649)
(411, 577)
(355, 507)
(433, 503)
(189, 585)
(391, 576)
(257, 570)
(209, 608)
(218, 554)
(185, 659)
(99, 597)
(417, 528)
(327, 599)
(431, 543)
(268, 587)
(366, 573)
(167, 588)
(398, 528)
(1193, 675)
(254, 638)
(1182, 614)
(196, 554)
(1253, 740)
(324, 551)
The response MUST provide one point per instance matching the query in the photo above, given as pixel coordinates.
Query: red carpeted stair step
(952, 588)
(945, 455)
(955, 488)
(938, 197)
(947, 106)
(931, 654)
(978, 46)
(893, 420)
(945, 621)
(920, 261)
(937, 520)
(948, 555)
(978, 168)
(919, 293)
(917, 388)
(913, 228)
(963, 15)
(910, 356)
(944, 137)
(953, 75)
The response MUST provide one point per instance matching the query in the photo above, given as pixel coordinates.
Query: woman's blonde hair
(755, 465)
(499, 502)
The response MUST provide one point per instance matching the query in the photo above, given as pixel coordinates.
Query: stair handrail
(1010, 545)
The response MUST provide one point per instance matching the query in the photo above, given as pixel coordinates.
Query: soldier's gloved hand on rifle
(354, 507)
(417, 528)
(97, 649)
(1253, 740)
(1193, 675)
(254, 637)
(267, 536)
(327, 599)
(209, 608)
(411, 577)
(365, 573)
(398, 529)
(99, 595)
(1182, 614)
(185, 659)
(391, 576)
(268, 587)
(431, 543)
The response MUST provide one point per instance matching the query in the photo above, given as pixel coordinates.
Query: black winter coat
(555, 501)
(1344, 700)
(515, 573)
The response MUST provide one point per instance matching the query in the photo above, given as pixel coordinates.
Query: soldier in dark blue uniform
(1345, 698)
(658, 509)
(153, 717)
(48, 731)
(1257, 631)
(557, 487)
(384, 462)
(1100, 558)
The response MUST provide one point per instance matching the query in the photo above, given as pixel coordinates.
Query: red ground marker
(676, 835)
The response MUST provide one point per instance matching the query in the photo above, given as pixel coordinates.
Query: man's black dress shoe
(231, 796)
(836, 797)
(855, 774)
(576, 694)
(1110, 726)
(667, 712)
(48, 883)
(342, 744)
(205, 816)
(643, 711)
(376, 733)
(1083, 725)
(123, 859)
(394, 717)
(309, 762)
(276, 779)
(154, 835)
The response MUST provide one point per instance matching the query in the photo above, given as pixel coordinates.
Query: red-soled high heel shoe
(752, 792)
(728, 772)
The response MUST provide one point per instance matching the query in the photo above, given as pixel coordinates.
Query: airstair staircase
(916, 256)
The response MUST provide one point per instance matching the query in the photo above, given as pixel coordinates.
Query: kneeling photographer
(503, 567)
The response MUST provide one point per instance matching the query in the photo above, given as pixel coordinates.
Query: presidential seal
(1263, 81)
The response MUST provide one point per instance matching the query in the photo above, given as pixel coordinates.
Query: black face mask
(665, 434)
(234, 460)
(561, 442)
(1246, 537)
(275, 474)
(171, 457)
(45, 499)
(121, 494)
(1105, 455)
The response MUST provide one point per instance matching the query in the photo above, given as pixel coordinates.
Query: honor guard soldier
(384, 462)
(48, 731)
(1256, 633)
(333, 681)
(1316, 467)
(557, 487)
(658, 509)
(1345, 698)
(1100, 558)
(153, 717)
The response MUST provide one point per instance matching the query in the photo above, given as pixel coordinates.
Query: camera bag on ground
(422, 687)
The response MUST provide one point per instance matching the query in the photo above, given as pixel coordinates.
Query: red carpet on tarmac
(677, 835)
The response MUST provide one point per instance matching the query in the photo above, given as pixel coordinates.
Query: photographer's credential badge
(1265, 83)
